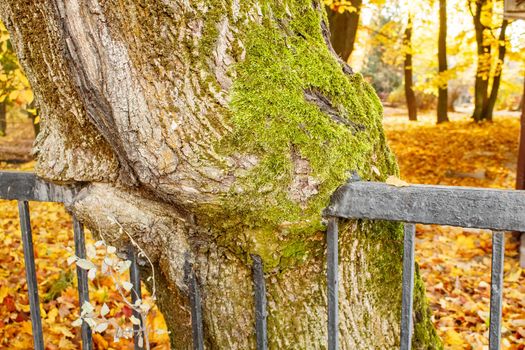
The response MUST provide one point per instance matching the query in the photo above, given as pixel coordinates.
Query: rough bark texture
(343, 29)
(442, 106)
(210, 131)
(409, 83)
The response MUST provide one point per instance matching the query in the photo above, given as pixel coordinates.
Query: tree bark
(409, 89)
(497, 74)
(442, 105)
(343, 29)
(210, 132)
(483, 69)
(3, 118)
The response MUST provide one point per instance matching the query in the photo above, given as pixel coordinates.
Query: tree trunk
(442, 105)
(481, 84)
(3, 118)
(497, 74)
(343, 29)
(409, 90)
(211, 132)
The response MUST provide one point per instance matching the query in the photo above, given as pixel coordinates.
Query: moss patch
(286, 56)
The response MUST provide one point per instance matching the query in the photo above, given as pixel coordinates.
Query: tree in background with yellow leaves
(14, 86)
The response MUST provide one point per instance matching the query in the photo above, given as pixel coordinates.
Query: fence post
(496, 289)
(136, 294)
(408, 286)
(83, 288)
(261, 331)
(332, 267)
(32, 285)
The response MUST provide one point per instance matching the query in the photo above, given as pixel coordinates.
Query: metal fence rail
(498, 210)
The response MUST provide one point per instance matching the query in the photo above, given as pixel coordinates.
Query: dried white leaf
(376, 170)
(101, 327)
(141, 341)
(145, 308)
(72, 259)
(111, 249)
(77, 322)
(92, 273)
(105, 268)
(123, 266)
(99, 244)
(87, 308)
(134, 320)
(127, 286)
(85, 264)
(104, 310)
(91, 251)
(91, 322)
(395, 181)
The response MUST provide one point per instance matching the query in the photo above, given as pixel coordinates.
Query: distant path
(16, 146)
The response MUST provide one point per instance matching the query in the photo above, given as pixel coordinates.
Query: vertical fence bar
(408, 286)
(136, 294)
(496, 289)
(196, 308)
(332, 271)
(32, 285)
(83, 289)
(261, 331)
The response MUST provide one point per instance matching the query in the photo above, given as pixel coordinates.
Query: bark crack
(326, 106)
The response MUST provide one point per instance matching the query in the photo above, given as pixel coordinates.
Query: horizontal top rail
(26, 186)
(500, 210)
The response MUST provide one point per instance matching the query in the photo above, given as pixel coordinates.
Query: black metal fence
(497, 210)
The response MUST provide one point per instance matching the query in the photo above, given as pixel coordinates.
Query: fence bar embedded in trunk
(32, 285)
(196, 308)
(260, 303)
(136, 294)
(83, 289)
(332, 283)
(22, 185)
(496, 289)
(408, 287)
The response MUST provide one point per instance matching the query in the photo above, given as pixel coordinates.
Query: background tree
(407, 65)
(496, 79)
(489, 68)
(478, 9)
(442, 105)
(211, 132)
(384, 60)
(343, 19)
(14, 87)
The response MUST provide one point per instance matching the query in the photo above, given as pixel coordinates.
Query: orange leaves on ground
(52, 236)
(454, 262)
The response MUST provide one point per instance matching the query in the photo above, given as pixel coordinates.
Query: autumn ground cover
(455, 263)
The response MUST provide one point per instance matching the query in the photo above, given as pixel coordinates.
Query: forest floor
(455, 263)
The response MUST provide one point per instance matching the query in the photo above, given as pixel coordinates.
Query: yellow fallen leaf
(4, 291)
(52, 315)
(466, 242)
(395, 181)
(453, 338)
(514, 275)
